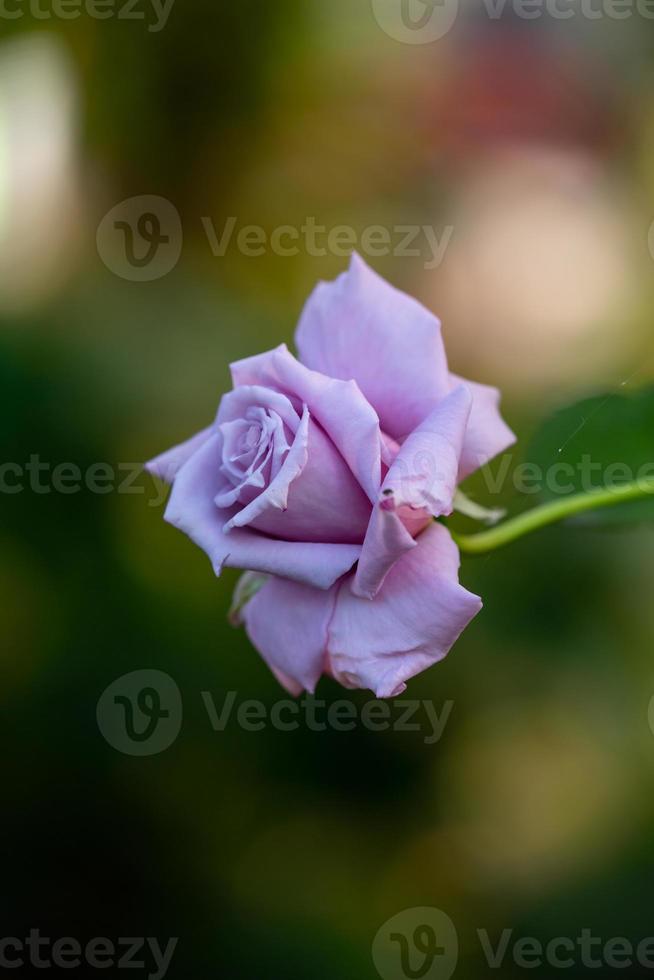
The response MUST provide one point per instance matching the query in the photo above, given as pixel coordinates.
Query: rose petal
(275, 495)
(420, 484)
(361, 327)
(287, 623)
(252, 471)
(323, 502)
(247, 474)
(487, 433)
(168, 464)
(386, 540)
(235, 404)
(424, 473)
(338, 406)
(192, 509)
(410, 625)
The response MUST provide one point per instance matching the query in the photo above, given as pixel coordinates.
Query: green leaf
(603, 441)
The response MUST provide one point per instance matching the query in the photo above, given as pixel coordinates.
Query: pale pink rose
(324, 475)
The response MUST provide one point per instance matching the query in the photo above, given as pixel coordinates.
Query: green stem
(559, 510)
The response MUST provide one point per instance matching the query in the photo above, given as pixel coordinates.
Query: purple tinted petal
(236, 404)
(287, 623)
(411, 624)
(424, 473)
(387, 539)
(324, 502)
(167, 465)
(256, 454)
(361, 327)
(487, 433)
(338, 406)
(420, 484)
(275, 495)
(192, 509)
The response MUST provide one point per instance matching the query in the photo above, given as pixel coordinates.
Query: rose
(322, 476)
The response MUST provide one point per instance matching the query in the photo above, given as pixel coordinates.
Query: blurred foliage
(604, 441)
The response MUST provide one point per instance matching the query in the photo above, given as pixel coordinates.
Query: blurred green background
(280, 854)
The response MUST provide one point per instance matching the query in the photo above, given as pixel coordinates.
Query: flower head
(324, 474)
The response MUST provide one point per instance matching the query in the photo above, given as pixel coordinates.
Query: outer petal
(339, 407)
(168, 464)
(192, 509)
(287, 623)
(411, 624)
(424, 472)
(361, 327)
(387, 539)
(487, 433)
(420, 484)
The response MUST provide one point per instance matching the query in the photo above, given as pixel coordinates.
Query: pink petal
(487, 433)
(287, 623)
(338, 406)
(410, 625)
(361, 327)
(192, 509)
(167, 465)
(420, 484)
